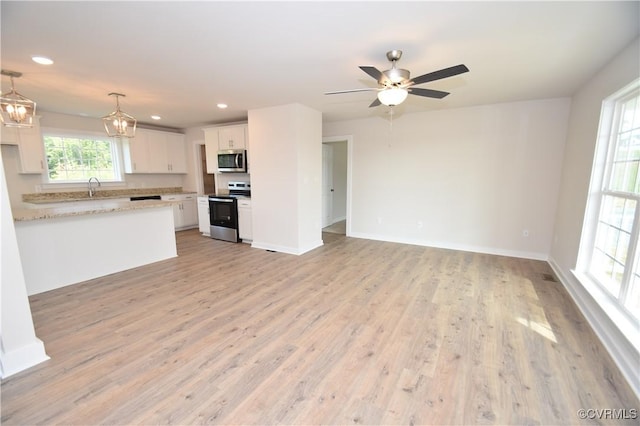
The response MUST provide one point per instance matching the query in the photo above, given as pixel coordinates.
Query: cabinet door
(189, 212)
(211, 149)
(231, 137)
(245, 226)
(176, 153)
(203, 215)
(157, 149)
(31, 148)
(177, 210)
(8, 135)
(136, 153)
(153, 151)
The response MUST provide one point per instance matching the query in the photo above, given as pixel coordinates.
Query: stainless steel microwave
(232, 161)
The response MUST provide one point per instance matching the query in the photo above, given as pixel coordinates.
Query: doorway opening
(208, 180)
(336, 185)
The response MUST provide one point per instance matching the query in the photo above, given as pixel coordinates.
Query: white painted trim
(22, 358)
(623, 352)
(349, 140)
(449, 246)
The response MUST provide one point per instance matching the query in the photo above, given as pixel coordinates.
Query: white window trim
(628, 325)
(48, 185)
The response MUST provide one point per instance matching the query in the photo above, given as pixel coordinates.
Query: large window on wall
(77, 157)
(611, 243)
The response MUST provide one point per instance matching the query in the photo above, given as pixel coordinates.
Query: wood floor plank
(354, 332)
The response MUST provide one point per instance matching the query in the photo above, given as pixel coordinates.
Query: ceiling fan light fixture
(119, 124)
(15, 109)
(397, 75)
(392, 96)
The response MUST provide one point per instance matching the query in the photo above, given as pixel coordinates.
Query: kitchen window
(610, 252)
(77, 157)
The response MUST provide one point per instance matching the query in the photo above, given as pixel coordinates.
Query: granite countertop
(100, 194)
(84, 208)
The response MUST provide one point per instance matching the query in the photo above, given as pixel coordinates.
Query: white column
(19, 346)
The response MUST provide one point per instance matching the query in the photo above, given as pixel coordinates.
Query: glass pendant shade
(15, 109)
(119, 124)
(392, 96)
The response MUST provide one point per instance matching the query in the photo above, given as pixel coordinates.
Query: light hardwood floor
(354, 332)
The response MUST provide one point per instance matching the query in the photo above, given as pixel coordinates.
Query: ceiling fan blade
(375, 73)
(375, 103)
(443, 73)
(337, 92)
(427, 92)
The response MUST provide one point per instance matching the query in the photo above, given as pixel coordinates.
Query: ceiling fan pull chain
(390, 126)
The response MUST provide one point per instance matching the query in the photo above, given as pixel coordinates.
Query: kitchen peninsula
(68, 244)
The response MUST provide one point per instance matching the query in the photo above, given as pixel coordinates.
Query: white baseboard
(448, 246)
(22, 358)
(338, 219)
(625, 355)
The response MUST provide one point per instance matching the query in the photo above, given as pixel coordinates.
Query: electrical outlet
(525, 233)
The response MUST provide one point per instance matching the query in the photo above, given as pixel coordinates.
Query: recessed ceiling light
(222, 106)
(42, 60)
(156, 117)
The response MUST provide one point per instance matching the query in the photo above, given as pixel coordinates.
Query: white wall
(471, 178)
(286, 178)
(19, 184)
(574, 189)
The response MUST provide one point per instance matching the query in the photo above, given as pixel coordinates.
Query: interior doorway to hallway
(336, 185)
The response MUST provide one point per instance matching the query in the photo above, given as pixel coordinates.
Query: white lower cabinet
(203, 216)
(245, 225)
(185, 213)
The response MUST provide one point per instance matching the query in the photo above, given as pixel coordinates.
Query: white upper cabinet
(232, 137)
(221, 138)
(136, 154)
(153, 151)
(30, 146)
(176, 153)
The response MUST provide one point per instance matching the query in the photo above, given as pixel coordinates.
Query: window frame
(599, 188)
(116, 149)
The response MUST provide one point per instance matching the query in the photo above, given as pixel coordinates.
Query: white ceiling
(178, 59)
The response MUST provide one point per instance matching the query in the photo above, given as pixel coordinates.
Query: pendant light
(119, 124)
(15, 109)
(392, 96)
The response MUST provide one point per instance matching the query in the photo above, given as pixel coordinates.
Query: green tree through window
(71, 159)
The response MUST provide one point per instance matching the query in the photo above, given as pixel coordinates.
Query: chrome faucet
(91, 190)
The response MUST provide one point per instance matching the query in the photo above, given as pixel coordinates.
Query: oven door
(223, 219)
(223, 212)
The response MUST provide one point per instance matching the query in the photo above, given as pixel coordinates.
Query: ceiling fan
(394, 84)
